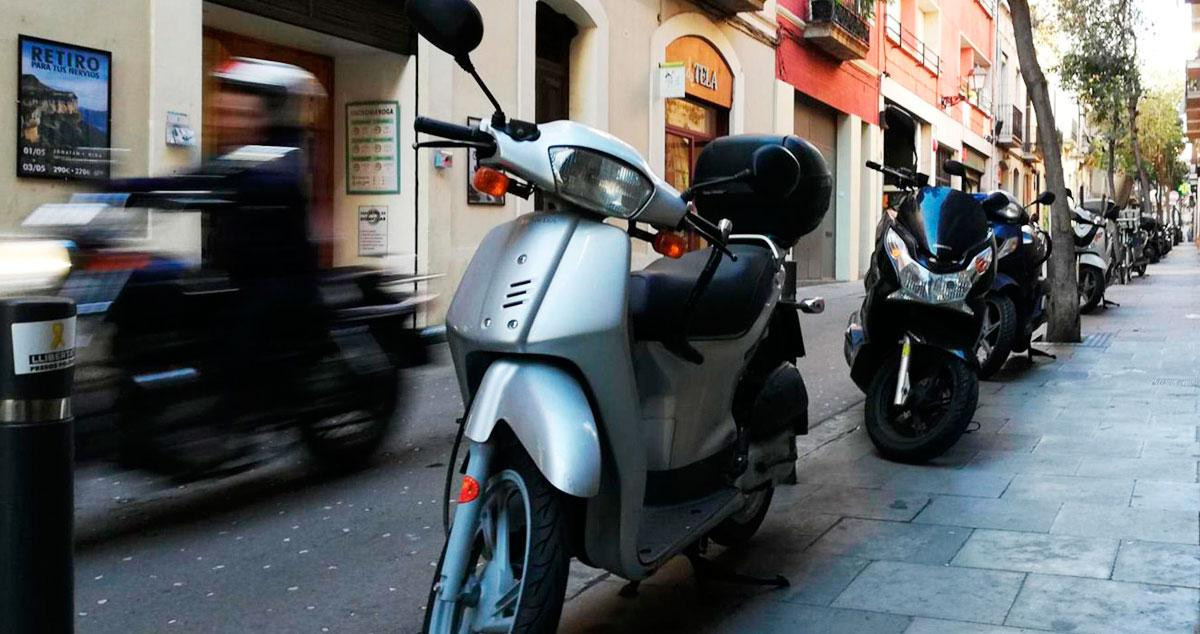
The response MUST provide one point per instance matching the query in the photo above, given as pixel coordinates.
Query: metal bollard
(37, 359)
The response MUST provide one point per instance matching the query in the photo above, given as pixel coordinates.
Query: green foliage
(1100, 61)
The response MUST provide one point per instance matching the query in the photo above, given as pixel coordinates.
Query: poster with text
(64, 115)
(372, 231)
(372, 159)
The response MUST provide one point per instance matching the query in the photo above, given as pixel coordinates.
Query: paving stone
(869, 472)
(1174, 469)
(939, 626)
(1024, 462)
(1174, 418)
(656, 608)
(1004, 514)
(946, 592)
(1090, 520)
(793, 527)
(1075, 446)
(999, 442)
(1144, 431)
(1056, 488)
(896, 541)
(1178, 496)
(868, 503)
(1074, 427)
(1038, 552)
(774, 616)
(1153, 562)
(1165, 449)
(949, 481)
(1077, 604)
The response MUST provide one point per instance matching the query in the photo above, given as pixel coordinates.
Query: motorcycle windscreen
(947, 225)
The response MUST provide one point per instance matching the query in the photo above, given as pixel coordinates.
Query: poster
(372, 231)
(372, 159)
(63, 117)
(474, 196)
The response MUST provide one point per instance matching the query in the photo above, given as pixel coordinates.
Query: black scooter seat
(728, 308)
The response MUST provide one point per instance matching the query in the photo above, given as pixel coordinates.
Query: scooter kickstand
(1034, 352)
(706, 571)
(1108, 302)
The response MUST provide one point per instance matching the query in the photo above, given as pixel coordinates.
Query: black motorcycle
(152, 386)
(911, 346)
(1016, 303)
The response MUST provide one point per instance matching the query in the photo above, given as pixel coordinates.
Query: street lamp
(974, 84)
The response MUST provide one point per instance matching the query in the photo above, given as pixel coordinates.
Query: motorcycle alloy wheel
(740, 527)
(945, 392)
(516, 578)
(998, 335)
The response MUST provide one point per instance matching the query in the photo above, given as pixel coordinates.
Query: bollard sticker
(43, 346)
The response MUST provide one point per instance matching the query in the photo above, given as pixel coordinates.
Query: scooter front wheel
(938, 409)
(1091, 288)
(516, 572)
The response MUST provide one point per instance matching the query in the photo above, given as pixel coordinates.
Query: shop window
(943, 155)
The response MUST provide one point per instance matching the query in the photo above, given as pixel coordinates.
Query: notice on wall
(672, 80)
(63, 112)
(43, 346)
(372, 147)
(372, 231)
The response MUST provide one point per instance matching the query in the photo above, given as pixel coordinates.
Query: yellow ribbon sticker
(56, 329)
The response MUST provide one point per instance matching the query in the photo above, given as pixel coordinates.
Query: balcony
(910, 44)
(735, 6)
(1012, 127)
(838, 30)
(1031, 152)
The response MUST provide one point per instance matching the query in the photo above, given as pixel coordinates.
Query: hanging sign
(372, 159)
(672, 80)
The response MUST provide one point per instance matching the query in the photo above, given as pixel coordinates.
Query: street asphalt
(285, 548)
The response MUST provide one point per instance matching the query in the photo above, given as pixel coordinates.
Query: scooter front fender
(1091, 259)
(549, 413)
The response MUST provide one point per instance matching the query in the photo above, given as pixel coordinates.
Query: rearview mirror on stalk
(453, 26)
(1046, 198)
(954, 168)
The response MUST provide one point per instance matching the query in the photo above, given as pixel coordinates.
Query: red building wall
(844, 86)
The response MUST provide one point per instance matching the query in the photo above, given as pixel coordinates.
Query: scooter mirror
(453, 26)
(1046, 198)
(1112, 214)
(775, 172)
(995, 202)
(954, 168)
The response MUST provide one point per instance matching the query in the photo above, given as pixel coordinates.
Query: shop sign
(372, 231)
(372, 148)
(707, 76)
(64, 116)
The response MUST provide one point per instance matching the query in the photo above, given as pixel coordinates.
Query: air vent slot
(516, 303)
(516, 294)
(519, 284)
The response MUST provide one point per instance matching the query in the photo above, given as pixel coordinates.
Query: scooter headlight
(599, 182)
(918, 283)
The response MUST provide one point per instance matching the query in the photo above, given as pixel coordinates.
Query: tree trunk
(1112, 168)
(1143, 177)
(1063, 324)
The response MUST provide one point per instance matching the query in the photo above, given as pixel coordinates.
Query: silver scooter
(1096, 252)
(621, 419)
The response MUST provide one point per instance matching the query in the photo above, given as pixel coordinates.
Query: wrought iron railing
(832, 11)
(1013, 126)
(909, 42)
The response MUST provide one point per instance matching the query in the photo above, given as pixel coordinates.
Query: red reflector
(672, 245)
(470, 490)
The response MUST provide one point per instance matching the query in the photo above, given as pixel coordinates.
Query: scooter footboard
(549, 413)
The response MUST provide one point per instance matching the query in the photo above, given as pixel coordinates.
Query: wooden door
(815, 253)
(219, 47)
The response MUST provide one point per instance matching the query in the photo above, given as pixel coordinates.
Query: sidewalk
(1074, 506)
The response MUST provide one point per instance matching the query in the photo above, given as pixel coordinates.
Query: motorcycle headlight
(918, 283)
(32, 265)
(599, 182)
(1007, 247)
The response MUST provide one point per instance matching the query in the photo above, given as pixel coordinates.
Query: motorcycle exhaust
(902, 384)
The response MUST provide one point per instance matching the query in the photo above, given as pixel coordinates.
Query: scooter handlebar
(451, 131)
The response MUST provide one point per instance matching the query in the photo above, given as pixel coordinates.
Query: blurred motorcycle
(154, 327)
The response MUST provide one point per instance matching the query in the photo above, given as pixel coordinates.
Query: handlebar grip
(451, 131)
(873, 165)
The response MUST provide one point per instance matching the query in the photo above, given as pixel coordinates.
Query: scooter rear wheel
(945, 391)
(740, 527)
(1091, 288)
(517, 569)
(999, 335)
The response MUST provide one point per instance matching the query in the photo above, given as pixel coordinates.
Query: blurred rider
(256, 196)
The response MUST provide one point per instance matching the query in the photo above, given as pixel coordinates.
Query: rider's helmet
(287, 90)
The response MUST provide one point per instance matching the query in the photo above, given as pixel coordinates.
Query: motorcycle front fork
(902, 380)
(453, 572)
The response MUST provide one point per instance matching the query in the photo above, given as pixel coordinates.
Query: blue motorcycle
(1016, 304)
